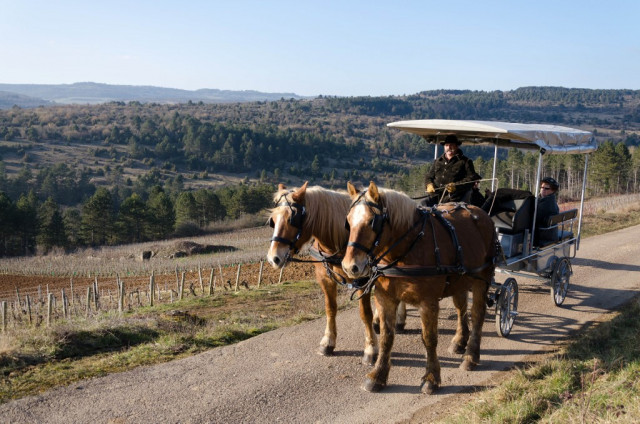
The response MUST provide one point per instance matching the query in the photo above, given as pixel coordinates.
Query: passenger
(547, 206)
(452, 174)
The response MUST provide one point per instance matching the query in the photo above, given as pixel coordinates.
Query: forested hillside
(121, 172)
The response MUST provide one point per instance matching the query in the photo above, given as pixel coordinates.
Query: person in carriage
(547, 206)
(452, 177)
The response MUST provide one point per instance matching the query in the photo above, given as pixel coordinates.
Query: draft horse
(421, 255)
(301, 214)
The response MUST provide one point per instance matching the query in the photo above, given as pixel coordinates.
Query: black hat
(451, 139)
(552, 182)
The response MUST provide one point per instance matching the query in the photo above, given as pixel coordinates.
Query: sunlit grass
(595, 379)
(36, 359)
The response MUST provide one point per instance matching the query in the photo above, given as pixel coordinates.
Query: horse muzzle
(278, 255)
(356, 268)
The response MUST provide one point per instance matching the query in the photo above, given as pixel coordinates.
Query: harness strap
(454, 237)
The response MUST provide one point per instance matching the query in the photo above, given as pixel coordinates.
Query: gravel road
(278, 377)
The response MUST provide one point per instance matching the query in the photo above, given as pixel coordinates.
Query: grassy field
(596, 381)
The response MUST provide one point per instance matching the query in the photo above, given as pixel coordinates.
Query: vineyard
(39, 290)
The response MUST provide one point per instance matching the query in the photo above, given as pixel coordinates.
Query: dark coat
(547, 206)
(457, 170)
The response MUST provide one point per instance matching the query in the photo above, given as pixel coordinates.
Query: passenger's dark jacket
(458, 170)
(547, 206)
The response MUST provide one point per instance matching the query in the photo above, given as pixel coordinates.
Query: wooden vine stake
(28, 304)
(120, 295)
(211, 277)
(238, 276)
(88, 310)
(152, 288)
(65, 311)
(3, 315)
(200, 279)
(260, 274)
(49, 309)
(181, 286)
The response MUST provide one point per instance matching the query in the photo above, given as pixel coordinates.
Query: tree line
(29, 226)
(150, 211)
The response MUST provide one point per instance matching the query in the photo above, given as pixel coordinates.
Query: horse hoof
(326, 350)
(428, 388)
(467, 365)
(457, 349)
(372, 386)
(369, 359)
(376, 327)
(400, 328)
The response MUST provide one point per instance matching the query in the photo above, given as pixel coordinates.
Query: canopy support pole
(536, 190)
(584, 185)
(495, 167)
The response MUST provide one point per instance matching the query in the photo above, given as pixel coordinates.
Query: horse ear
(353, 192)
(298, 196)
(281, 187)
(373, 192)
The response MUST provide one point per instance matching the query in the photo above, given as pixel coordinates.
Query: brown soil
(35, 285)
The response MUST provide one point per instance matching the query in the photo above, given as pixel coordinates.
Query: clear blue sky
(343, 48)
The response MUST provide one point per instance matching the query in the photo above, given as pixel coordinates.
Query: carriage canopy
(554, 139)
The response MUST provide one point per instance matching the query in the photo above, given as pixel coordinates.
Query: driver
(452, 173)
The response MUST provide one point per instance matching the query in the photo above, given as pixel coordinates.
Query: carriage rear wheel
(506, 307)
(560, 280)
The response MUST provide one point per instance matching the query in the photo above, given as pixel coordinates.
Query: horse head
(365, 221)
(287, 220)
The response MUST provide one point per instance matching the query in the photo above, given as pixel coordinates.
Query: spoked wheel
(506, 307)
(560, 280)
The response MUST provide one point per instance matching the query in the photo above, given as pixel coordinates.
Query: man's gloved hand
(430, 189)
(451, 187)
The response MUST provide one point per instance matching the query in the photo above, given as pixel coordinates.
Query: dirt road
(278, 377)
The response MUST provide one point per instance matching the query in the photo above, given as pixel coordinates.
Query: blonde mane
(401, 209)
(326, 213)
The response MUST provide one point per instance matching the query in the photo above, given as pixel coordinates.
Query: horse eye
(347, 226)
(271, 223)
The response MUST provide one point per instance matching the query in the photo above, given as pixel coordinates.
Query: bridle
(376, 223)
(296, 219)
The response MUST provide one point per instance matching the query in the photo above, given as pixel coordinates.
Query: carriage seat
(512, 210)
(558, 227)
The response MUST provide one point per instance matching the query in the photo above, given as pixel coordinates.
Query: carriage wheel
(560, 280)
(507, 307)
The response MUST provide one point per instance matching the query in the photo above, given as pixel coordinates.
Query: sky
(337, 48)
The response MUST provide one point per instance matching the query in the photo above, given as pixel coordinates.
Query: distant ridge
(94, 93)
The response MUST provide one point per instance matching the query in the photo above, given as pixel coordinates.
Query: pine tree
(52, 231)
(98, 218)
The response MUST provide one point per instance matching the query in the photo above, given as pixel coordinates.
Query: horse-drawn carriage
(420, 255)
(525, 252)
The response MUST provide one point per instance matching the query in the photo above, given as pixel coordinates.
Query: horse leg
(370, 340)
(376, 321)
(459, 341)
(376, 380)
(429, 317)
(330, 290)
(471, 357)
(401, 317)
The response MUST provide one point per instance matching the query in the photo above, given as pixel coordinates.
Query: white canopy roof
(554, 139)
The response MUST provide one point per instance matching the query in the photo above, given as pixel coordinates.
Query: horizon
(335, 49)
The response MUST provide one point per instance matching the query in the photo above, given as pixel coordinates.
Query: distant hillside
(32, 95)
(8, 100)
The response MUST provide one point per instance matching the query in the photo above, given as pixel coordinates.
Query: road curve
(278, 377)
